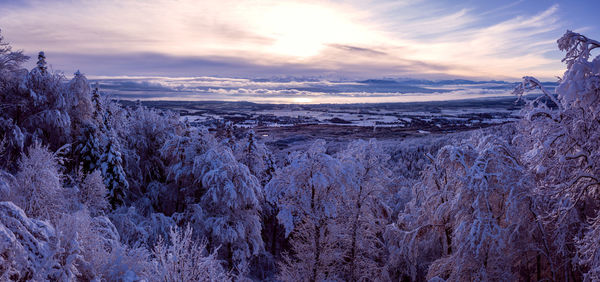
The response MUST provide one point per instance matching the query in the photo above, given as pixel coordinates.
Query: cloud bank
(298, 90)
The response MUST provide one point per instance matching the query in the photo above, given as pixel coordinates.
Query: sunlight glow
(303, 30)
(302, 100)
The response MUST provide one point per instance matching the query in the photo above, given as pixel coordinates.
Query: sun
(303, 30)
(302, 100)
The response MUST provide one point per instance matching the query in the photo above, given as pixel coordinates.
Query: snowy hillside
(96, 190)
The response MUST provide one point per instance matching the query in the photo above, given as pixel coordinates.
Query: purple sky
(339, 39)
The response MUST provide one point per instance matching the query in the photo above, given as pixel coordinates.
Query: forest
(92, 190)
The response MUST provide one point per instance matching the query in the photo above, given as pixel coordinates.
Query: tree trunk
(317, 235)
(354, 235)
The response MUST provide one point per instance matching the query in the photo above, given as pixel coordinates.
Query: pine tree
(111, 166)
(41, 63)
(98, 112)
(226, 134)
(88, 149)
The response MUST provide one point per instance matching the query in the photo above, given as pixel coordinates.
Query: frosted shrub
(93, 193)
(139, 230)
(92, 245)
(38, 189)
(185, 259)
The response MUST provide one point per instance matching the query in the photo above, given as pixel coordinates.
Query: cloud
(285, 91)
(260, 38)
(354, 49)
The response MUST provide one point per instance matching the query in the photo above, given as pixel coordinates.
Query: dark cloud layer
(154, 64)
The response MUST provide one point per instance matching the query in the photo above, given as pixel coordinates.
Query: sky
(480, 40)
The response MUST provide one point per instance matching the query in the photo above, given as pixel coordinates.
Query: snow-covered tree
(216, 193)
(470, 218)
(87, 148)
(93, 193)
(113, 174)
(309, 195)
(186, 260)
(560, 138)
(225, 132)
(256, 157)
(98, 113)
(144, 132)
(43, 109)
(10, 60)
(41, 64)
(38, 189)
(179, 153)
(80, 107)
(366, 164)
(229, 208)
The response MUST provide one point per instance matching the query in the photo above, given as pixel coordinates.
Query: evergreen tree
(98, 109)
(111, 166)
(41, 63)
(88, 149)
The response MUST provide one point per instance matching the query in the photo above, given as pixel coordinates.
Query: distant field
(286, 126)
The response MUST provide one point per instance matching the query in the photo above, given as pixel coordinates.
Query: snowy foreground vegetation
(91, 190)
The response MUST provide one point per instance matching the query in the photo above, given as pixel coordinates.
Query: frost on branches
(365, 210)
(187, 260)
(230, 205)
(561, 149)
(309, 193)
(38, 188)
